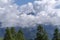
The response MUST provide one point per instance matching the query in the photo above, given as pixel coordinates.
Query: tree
(59, 35)
(41, 34)
(8, 35)
(20, 35)
(13, 33)
(56, 34)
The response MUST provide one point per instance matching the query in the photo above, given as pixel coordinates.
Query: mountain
(2, 31)
(49, 29)
(31, 32)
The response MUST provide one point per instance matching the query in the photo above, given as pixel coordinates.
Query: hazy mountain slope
(30, 32)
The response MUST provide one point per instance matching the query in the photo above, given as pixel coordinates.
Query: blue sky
(21, 2)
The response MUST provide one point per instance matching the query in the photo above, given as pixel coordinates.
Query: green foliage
(20, 35)
(56, 35)
(13, 33)
(8, 35)
(1, 38)
(41, 34)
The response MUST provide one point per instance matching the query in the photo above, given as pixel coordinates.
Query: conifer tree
(13, 33)
(20, 35)
(56, 34)
(8, 35)
(41, 34)
(59, 35)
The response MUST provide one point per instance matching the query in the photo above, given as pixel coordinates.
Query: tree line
(41, 34)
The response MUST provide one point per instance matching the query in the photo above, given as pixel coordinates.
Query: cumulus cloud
(30, 14)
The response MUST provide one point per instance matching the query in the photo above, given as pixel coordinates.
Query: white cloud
(5, 1)
(14, 15)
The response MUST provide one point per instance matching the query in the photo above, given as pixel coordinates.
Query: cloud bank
(30, 14)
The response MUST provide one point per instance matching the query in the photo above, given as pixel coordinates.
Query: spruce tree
(8, 35)
(13, 33)
(56, 34)
(41, 34)
(59, 35)
(20, 35)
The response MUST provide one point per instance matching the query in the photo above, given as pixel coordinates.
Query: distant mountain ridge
(31, 32)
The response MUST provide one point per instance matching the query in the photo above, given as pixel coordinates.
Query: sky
(29, 13)
(21, 2)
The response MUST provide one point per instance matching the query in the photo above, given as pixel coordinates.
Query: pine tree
(41, 34)
(20, 35)
(8, 35)
(56, 34)
(13, 33)
(59, 35)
